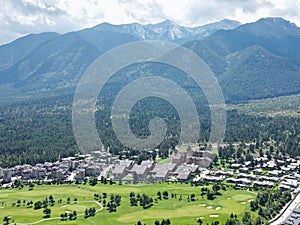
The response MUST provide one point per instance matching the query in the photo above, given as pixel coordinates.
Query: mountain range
(251, 61)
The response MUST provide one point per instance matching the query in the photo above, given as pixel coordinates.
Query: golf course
(179, 207)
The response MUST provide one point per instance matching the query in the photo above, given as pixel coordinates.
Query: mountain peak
(229, 21)
(277, 20)
(224, 24)
(167, 22)
(271, 26)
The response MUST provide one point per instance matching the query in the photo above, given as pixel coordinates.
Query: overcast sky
(20, 17)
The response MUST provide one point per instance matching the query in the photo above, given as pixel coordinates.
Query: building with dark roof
(294, 218)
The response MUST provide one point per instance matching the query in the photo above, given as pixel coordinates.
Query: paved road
(283, 215)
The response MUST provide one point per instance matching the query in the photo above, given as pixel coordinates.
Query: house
(244, 169)
(148, 163)
(119, 172)
(225, 173)
(162, 171)
(67, 163)
(213, 178)
(247, 164)
(235, 165)
(27, 174)
(48, 166)
(185, 172)
(290, 182)
(184, 175)
(38, 172)
(57, 173)
(121, 169)
(93, 170)
(243, 181)
(275, 173)
(179, 158)
(294, 218)
(269, 165)
(245, 175)
(284, 187)
(201, 158)
(274, 179)
(264, 184)
(140, 171)
(257, 171)
(286, 169)
(261, 159)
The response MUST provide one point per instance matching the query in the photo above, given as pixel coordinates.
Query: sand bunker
(209, 207)
(243, 203)
(213, 215)
(218, 208)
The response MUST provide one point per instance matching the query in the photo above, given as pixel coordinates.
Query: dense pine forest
(41, 130)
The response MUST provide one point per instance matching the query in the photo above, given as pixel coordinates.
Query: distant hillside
(13, 52)
(252, 65)
(251, 61)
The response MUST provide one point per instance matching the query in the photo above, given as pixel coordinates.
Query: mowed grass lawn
(179, 212)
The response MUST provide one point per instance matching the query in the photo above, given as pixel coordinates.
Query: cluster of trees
(164, 195)
(156, 222)
(45, 203)
(93, 180)
(47, 212)
(144, 200)
(269, 203)
(6, 220)
(97, 197)
(211, 194)
(242, 152)
(70, 216)
(114, 202)
(247, 219)
(89, 212)
(35, 131)
(163, 222)
(233, 220)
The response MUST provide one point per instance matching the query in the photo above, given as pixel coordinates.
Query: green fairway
(179, 209)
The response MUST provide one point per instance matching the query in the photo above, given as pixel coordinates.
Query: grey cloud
(143, 12)
(29, 8)
(202, 12)
(247, 6)
(20, 17)
(292, 10)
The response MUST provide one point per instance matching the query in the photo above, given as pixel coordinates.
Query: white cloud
(20, 17)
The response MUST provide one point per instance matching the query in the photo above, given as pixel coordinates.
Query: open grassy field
(179, 212)
(283, 106)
